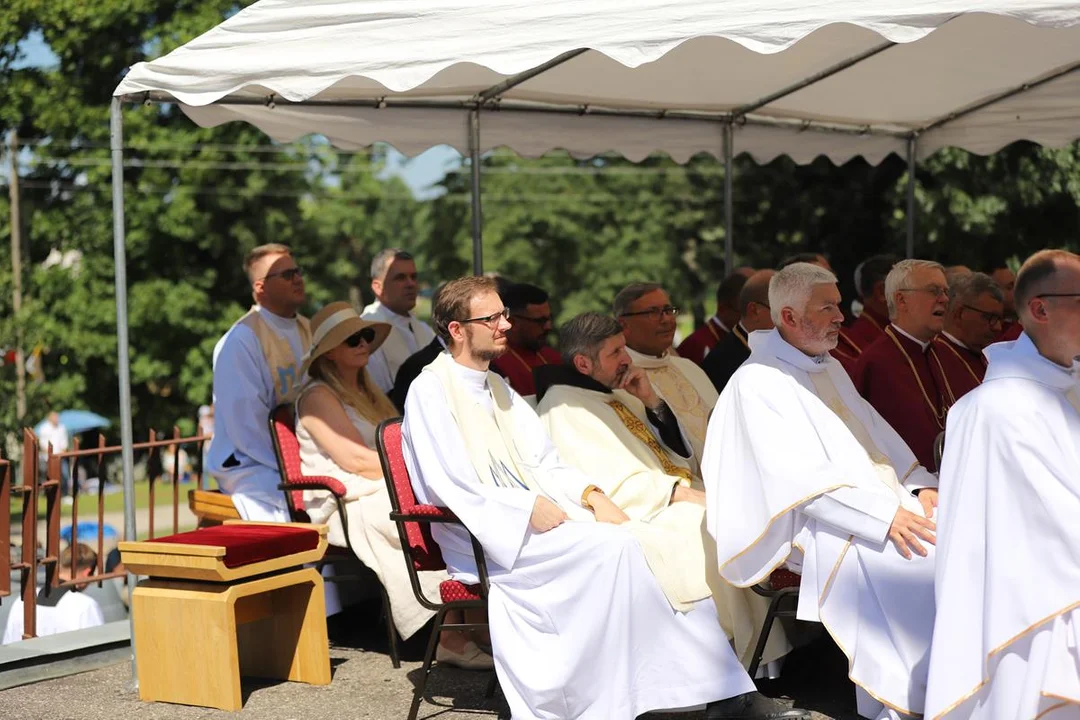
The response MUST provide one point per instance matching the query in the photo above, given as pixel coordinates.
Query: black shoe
(753, 706)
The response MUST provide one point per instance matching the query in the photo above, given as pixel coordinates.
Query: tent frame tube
(127, 453)
(474, 194)
(729, 211)
(910, 215)
(494, 92)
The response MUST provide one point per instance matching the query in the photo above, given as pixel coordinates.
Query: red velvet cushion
(452, 590)
(247, 544)
(782, 578)
(423, 550)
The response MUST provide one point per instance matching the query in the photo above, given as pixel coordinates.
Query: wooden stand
(194, 639)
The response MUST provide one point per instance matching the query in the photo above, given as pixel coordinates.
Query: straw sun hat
(336, 323)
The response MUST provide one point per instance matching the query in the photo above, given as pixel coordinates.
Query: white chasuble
(607, 435)
(580, 627)
(789, 482)
(1007, 636)
(408, 336)
(687, 390)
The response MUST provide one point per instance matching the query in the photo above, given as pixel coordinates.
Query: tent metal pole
(477, 216)
(729, 207)
(127, 454)
(911, 197)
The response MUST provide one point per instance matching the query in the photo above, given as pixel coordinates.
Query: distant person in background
(64, 609)
(806, 257)
(976, 308)
(52, 433)
(1006, 280)
(874, 318)
(528, 348)
(394, 282)
(726, 357)
(256, 367)
(175, 464)
(411, 368)
(705, 338)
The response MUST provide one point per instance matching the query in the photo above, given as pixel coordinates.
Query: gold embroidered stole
(683, 399)
(826, 391)
(284, 366)
(641, 432)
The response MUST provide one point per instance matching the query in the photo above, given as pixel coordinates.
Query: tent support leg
(729, 212)
(474, 196)
(910, 215)
(116, 145)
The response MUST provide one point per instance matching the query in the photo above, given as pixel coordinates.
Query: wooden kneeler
(228, 601)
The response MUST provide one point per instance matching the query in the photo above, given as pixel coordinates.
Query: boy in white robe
(256, 367)
(606, 420)
(800, 470)
(1007, 635)
(580, 628)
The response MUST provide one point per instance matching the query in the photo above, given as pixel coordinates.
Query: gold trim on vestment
(637, 428)
(1050, 709)
(909, 471)
(999, 649)
(954, 351)
(768, 526)
(939, 418)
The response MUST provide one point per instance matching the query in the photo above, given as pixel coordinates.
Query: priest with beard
(976, 305)
(901, 374)
(647, 317)
(1008, 575)
(527, 339)
(580, 626)
(801, 472)
(606, 420)
(733, 350)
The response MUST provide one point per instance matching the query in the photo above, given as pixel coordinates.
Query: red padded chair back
(287, 449)
(422, 549)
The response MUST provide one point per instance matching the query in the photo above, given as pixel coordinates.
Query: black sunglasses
(287, 275)
(367, 335)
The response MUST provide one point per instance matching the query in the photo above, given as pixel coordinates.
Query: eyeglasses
(654, 311)
(288, 275)
(935, 290)
(538, 320)
(489, 319)
(1058, 295)
(992, 318)
(367, 335)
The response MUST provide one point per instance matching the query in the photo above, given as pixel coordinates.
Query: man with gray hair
(824, 485)
(394, 282)
(901, 374)
(976, 311)
(606, 420)
(647, 317)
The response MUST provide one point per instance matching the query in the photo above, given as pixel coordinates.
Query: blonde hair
(369, 400)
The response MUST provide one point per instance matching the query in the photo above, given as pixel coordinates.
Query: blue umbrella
(77, 421)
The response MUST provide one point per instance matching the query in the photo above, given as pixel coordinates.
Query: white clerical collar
(951, 338)
(648, 361)
(909, 336)
(743, 328)
(771, 342)
(474, 379)
(720, 323)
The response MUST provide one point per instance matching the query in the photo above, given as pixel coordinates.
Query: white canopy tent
(842, 79)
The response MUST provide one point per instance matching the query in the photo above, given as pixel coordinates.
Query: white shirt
(408, 335)
(74, 611)
(244, 394)
(56, 435)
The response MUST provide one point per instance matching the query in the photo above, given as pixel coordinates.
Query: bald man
(1008, 578)
(730, 352)
(702, 341)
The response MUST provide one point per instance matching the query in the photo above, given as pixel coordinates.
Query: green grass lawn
(114, 502)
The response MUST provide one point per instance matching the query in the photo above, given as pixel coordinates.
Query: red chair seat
(247, 544)
(782, 578)
(452, 591)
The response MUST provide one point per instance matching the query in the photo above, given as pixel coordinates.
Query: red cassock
(847, 352)
(518, 363)
(964, 367)
(1011, 331)
(909, 388)
(856, 338)
(698, 344)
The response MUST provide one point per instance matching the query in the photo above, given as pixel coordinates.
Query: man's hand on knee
(546, 515)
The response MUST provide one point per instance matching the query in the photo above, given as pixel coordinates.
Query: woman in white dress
(338, 411)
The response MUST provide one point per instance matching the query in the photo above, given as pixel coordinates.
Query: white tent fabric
(839, 78)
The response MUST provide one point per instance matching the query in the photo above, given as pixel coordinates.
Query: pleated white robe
(1007, 636)
(787, 482)
(580, 628)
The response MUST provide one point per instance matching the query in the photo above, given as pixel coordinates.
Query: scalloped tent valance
(841, 79)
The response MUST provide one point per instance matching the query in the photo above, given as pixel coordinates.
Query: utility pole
(16, 275)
